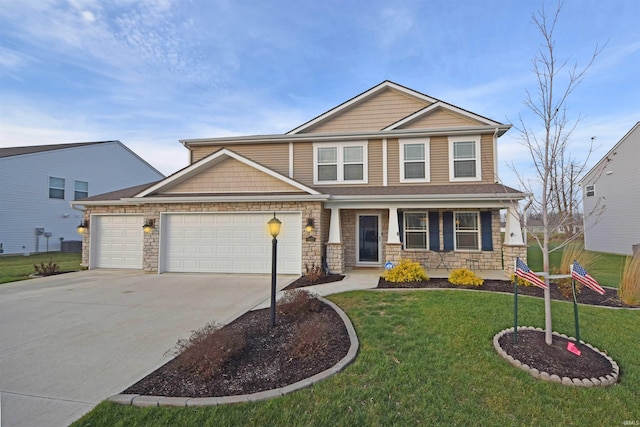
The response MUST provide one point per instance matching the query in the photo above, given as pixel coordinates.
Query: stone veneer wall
(335, 257)
(311, 251)
(510, 253)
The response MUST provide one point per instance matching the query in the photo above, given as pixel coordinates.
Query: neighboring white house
(611, 199)
(39, 182)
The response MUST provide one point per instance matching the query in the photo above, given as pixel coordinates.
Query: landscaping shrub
(298, 302)
(629, 290)
(310, 337)
(464, 276)
(314, 273)
(209, 348)
(46, 269)
(405, 271)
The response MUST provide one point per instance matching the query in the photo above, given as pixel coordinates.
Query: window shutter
(447, 229)
(486, 233)
(401, 227)
(434, 231)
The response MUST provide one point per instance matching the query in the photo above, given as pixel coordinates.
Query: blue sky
(151, 72)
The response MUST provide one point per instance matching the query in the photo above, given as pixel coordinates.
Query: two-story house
(38, 182)
(391, 173)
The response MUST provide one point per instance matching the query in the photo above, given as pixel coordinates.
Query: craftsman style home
(391, 173)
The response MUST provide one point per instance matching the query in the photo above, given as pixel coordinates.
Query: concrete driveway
(68, 342)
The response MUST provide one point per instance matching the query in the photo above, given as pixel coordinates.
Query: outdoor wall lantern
(309, 227)
(148, 226)
(83, 227)
(274, 229)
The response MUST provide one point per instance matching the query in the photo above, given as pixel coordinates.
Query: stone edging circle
(544, 376)
(142, 400)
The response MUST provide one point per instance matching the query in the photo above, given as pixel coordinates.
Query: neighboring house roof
(34, 149)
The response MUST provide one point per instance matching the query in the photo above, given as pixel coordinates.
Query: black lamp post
(274, 229)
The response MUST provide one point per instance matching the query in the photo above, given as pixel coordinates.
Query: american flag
(525, 272)
(580, 274)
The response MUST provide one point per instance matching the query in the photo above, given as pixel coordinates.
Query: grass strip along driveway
(426, 358)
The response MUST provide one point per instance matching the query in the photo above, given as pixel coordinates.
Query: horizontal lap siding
(440, 119)
(272, 155)
(439, 146)
(488, 172)
(375, 162)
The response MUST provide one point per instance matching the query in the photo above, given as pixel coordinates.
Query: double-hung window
(414, 160)
(464, 158)
(56, 188)
(416, 226)
(590, 190)
(467, 230)
(81, 190)
(340, 163)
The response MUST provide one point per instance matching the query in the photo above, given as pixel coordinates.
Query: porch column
(393, 235)
(334, 226)
(513, 230)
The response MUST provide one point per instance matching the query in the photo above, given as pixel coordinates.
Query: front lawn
(607, 270)
(426, 358)
(19, 267)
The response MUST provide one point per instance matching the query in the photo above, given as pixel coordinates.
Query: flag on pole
(580, 274)
(525, 272)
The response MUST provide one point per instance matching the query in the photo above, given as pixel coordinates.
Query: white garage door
(229, 243)
(116, 241)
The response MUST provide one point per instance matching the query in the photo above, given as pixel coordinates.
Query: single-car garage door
(229, 243)
(116, 241)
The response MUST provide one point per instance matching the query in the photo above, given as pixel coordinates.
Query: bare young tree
(547, 140)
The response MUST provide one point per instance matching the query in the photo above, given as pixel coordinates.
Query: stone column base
(335, 257)
(392, 252)
(509, 255)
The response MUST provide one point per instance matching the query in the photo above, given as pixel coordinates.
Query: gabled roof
(213, 159)
(18, 151)
(385, 85)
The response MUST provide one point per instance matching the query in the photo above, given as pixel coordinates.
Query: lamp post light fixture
(274, 229)
(148, 226)
(83, 227)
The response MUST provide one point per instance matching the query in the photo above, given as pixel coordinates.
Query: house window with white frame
(414, 160)
(81, 190)
(590, 190)
(340, 163)
(416, 234)
(467, 231)
(56, 188)
(464, 158)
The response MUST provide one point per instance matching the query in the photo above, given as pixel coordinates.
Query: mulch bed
(304, 281)
(586, 296)
(267, 361)
(532, 350)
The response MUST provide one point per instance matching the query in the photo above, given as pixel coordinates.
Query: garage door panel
(229, 242)
(118, 241)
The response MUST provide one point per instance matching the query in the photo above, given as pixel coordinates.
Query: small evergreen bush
(405, 271)
(464, 276)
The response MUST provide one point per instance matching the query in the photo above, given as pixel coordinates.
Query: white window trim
(427, 160)
(455, 231)
(75, 188)
(590, 189)
(63, 188)
(426, 231)
(469, 138)
(340, 162)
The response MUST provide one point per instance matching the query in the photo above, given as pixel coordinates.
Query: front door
(368, 239)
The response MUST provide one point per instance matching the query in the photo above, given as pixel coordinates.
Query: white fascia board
(439, 197)
(415, 204)
(120, 202)
(384, 85)
(192, 170)
(451, 108)
(230, 199)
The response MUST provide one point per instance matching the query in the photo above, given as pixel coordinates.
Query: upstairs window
(464, 158)
(467, 231)
(414, 160)
(56, 188)
(590, 190)
(340, 163)
(81, 190)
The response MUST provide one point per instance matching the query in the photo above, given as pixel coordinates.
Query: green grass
(19, 267)
(426, 358)
(607, 271)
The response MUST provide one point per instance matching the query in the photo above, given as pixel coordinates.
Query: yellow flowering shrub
(405, 271)
(464, 276)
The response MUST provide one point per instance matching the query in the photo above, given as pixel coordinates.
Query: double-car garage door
(200, 242)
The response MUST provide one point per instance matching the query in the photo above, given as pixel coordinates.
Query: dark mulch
(304, 281)
(586, 296)
(532, 350)
(266, 363)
